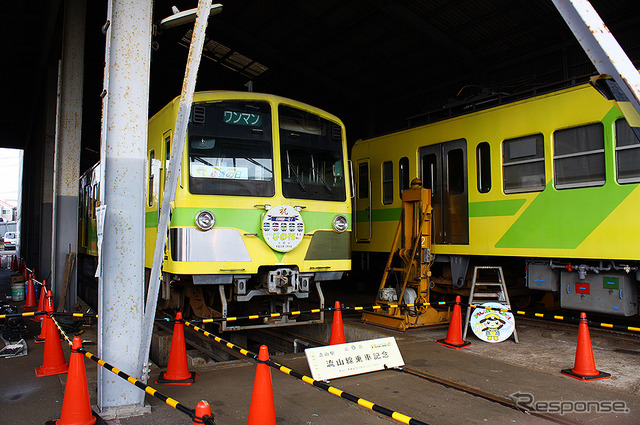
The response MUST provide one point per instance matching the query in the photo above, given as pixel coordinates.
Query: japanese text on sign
(353, 358)
(242, 118)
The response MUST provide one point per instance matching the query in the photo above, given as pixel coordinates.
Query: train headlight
(205, 220)
(340, 223)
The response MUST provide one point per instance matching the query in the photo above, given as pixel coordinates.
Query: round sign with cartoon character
(491, 324)
(282, 228)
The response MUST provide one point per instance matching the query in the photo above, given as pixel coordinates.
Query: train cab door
(443, 169)
(362, 213)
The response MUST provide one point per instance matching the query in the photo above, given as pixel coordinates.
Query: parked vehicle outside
(10, 240)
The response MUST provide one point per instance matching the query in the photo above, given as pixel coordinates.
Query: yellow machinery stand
(412, 249)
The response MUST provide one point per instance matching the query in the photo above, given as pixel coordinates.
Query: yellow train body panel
(493, 214)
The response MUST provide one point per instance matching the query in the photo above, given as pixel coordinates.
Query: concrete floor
(530, 367)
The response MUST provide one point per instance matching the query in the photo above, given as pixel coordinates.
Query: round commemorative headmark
(282, 228)
(492, 325)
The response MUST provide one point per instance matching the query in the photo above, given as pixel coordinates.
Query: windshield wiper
(198, 158)
(298, 179)
(325, 184)
(253, 161)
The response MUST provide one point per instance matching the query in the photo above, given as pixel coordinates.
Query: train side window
(429, 172)
(363, 180)
(483, 165)
(387, 182)
(578, 156)
(152, 155)
(403, 175)
(523, 164)
(627, 153)
(455, 171)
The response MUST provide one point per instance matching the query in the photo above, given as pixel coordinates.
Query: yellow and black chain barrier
(347, 308)
(319, 384)
(569, 319)
(147, 389)
(312, 311)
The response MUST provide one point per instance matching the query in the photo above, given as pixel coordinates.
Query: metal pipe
(177, 153)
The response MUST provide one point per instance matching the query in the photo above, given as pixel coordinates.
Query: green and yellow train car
(547, 185)
(262, 212)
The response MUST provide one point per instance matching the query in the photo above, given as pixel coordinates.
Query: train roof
(202, 96)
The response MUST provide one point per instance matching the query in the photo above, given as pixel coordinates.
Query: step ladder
(482, 292)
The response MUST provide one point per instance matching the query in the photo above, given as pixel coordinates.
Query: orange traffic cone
(31, 300)
(337, 328)
(76, 406)
(177, 370)
(53, 362)
(262, 410)
(585, 366)
(454, 334)
(39, 339)
(203, 411)
(43, 294)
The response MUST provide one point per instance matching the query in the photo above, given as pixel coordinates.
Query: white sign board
(100, 213)
(353, 358)
(492, 325)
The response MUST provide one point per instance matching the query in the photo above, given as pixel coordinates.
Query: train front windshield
(311, 156)
(231, 152)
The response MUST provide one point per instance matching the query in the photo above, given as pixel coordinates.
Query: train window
(483, 164)
(523, 164)
(627, 153)
(363, 180)
(403, 175)
(455, 171)
(579, 156)
(429, 172)
(387, 182)
(311, 155)
(151, 177)
(230, 150)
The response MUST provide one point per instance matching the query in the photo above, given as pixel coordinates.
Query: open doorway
(10, 200)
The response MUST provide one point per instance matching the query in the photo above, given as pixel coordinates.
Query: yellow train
(546, 187)
(262, 213)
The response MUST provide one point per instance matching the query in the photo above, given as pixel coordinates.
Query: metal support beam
(170, 187)
(123, 146)
(603, 49)
(67, 150)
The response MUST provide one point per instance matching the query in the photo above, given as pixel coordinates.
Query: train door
(443, 169)
(362, 213)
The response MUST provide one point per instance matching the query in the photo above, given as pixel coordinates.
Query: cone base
(48, 371)
(188, 381)
(600, 375)
(451, 345)
(97, 420)
(39, 340)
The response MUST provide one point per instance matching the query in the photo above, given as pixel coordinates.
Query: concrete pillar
(47, 152)
(67, 149)
(123, 146)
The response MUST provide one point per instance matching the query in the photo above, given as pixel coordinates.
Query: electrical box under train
(612, 293)
(608, 289)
